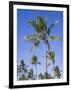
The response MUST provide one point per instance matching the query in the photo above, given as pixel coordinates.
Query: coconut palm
(42, 33)
(34, 61)
(30, 74)
(57, 72)
(22, 70)
(51, 56)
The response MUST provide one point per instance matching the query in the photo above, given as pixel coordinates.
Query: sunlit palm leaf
(34, 25)
(34, 59)
(51, 26)
(54, 38)
(35, 45)
(42, 24)
(51, 56)
(32, 38)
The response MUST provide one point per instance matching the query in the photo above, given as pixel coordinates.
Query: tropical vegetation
(42, 34)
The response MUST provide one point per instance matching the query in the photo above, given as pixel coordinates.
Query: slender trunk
(53, 70)
(36, 70)
(45, 48)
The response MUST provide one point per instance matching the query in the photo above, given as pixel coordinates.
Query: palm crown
(42, 33)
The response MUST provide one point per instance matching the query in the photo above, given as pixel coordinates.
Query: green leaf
(34, 59)
(34, 25)
(51, 56)
(47, 43)
(32, 38)
(57, 72)
(35, 45)
(41, 23)
(51, 26)
(54, 38)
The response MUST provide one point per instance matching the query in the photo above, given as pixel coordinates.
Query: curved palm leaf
(51, 26)
(35, 45)
(42, 24)
(47, 43)
(34, 59)
(51, 56)
(54, 38)
(32, 38)
(34, 25)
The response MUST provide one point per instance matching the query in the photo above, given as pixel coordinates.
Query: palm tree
(51, 56)
(57, 72)
(22, 70)
(34, 61)
(30, 74)
(42, 33)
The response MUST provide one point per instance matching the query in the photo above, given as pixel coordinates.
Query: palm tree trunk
(45, 48)
(36, 71)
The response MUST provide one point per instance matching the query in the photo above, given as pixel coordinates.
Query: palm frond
(34, 59)
(51, 56)
(35, 45)
(32, 38)
(51, 26)
(34, 25)
(47, 43)
(54, 38)
(42, 24)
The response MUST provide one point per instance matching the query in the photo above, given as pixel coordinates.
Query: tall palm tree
(34, 61)
(42, 33)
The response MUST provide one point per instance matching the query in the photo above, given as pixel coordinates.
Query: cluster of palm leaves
(42, 34)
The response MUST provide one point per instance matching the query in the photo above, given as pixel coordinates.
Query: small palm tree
(30, 74)
(51, 56)
(42, 33)
(34, 61)
(22, 70)
(57, 72)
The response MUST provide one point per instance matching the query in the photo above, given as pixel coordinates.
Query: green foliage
(42, 24)
(42, 33)
(55, 38)
(34, 59)
(32, 38)
(23, 77)
(52, 26)
(41, 76)
(30, 74)
(57, 72)
(22, 70)
(51, 56)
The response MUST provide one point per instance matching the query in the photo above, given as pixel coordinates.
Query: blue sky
(23, 28)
